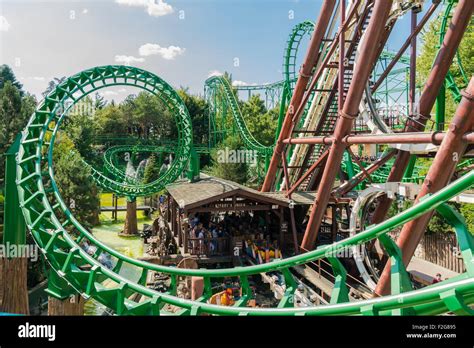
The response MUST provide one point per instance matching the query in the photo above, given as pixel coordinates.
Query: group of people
(207, 234)
(262, 250)
(205, 241)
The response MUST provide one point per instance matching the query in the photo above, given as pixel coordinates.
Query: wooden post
(282, 219)
(334, 222)
(168, 217)
(131, 225)
(13, 270)
(185, 236)
(115, 200)
(180, 230)
(73, 305)
(13, 281)
(293, 228)
(173, 217)
(62, 299)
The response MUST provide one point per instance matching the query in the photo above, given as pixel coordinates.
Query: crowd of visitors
(210, 234)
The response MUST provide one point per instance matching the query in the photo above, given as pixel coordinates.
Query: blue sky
(183, 40)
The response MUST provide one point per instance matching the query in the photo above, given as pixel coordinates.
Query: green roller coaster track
(51, 113)
(220, 91)
(110, 159)
(231, 102)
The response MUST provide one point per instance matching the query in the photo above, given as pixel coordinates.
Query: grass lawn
(108, 230)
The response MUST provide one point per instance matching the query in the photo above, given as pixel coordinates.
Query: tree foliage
(73, 178)
(7, 75)
(144, 116)
(237, 172)
(15, 110)
(199, 112)
(152, 168)
(261, 122)
(429, 50)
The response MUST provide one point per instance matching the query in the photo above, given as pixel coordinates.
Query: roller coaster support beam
(407, 43)
(412, 94)
(459, 23)
(439, 175)
(342, 55)
(366, 61)
(362, 175)
(435, 138)
(14, 267)
(310, 61)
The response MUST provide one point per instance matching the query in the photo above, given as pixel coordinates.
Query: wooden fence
(441, 249)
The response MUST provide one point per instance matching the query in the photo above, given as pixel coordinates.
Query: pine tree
(7, 75)
(73, 179)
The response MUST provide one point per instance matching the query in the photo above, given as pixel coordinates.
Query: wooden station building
(213, 198)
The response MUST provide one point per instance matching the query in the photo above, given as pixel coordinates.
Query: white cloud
(238, 83)
(169, 53)
(108, 93)
(34, 78)
(155, 8)
(127, 60)
(213, 73)
(159, 9)
(85, 11)
(4, 25)
(133, 2)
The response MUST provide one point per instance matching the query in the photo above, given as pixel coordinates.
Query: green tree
(429, 50)
(73, 179)
(82, 130)
(15, 111)
(152, 169)
(467, 210)
(53, 84)
(7, 75)
(150, 118)
(99, 102)
(237, 172)
(261, 122)
(199, 112)
(111, 121)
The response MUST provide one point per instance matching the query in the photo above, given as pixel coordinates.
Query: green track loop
(221, 84)
(118, 174)
(220, 94)
(42, 128)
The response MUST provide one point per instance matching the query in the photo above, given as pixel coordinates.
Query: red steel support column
(459, 23)
(412, 94)
(441, 171)
(366, 60)
(342, 54)
(310, 61)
